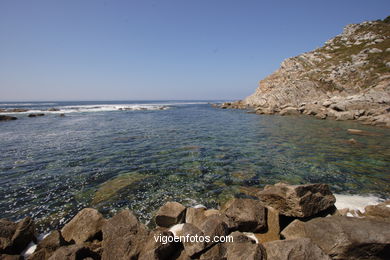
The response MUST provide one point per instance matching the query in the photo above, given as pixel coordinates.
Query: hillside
(346, 79)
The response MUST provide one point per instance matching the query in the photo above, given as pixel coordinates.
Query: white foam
(30, 249)
(200, 206)
(251, 236)
(176, 229)
(356, 202)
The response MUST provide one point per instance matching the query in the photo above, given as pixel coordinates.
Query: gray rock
(85, 226)
(344, 237)
(294, 249)
(297, 200)
(170, 213)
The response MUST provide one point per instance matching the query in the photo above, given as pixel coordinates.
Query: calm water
(98, 156)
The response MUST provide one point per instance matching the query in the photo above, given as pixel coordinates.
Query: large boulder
(214, 226)
(47, 246)
(123, 237)
(14, 237)
(247, 215)
(243, 247)
(85, 226)
(344, 237)
(169, 214)
(74, 252)
(297, 200)
(380, 211)
(294, 249)
(192, 243)
(157, 248)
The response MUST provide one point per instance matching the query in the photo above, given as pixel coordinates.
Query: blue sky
(179, 49)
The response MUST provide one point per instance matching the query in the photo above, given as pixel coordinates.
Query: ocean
(140, 154)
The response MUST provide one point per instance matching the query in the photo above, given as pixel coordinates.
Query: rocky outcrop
(344, 237)
(7, 118)
(297, 200)
(192, 231)
(36, 115)
(346, 79)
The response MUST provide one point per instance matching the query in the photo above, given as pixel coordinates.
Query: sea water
(140, 154)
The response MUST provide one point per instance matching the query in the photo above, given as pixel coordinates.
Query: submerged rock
(7, 118)
(344, 237)
(35, 115)
(297, 200)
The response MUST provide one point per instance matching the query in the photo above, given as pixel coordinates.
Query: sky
(61, 50)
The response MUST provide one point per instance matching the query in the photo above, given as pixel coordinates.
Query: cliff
(346, 79)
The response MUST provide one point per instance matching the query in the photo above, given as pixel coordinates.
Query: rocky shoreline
(278, 222)
(346, 79)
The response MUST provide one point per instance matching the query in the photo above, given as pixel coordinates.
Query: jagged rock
(124, 237)
(48, 245)
(14, 237)
(73, 252)
(288, 111)
(159, 250)
(170, 213)
(192, 247)
(247, 215)
(344, 237)
(294, 249)
(273, 227)
(7, 118)
(214, 225)
(297, 200)
(85, 226)
(244, 248)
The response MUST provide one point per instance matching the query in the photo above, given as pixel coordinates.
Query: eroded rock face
(123, 237)
(297, 200)
(170, 213)
(248, 215)
(294, 249)
(85, 226)
(344, 237)
(344, 79)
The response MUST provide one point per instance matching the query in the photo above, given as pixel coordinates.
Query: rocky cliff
(346, 79)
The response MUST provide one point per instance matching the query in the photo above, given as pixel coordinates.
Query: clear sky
(166, 49)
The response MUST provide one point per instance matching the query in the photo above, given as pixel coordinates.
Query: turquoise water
(98, 156)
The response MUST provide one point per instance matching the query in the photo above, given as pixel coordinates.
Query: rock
(214, 225)
(62, 115)
(297, 200)
(85, 226)
(216, 252)
(53, 109)
(48, 245)
(73, 252)
(380, 211)
(273, 227)
(7, 118)
(248, 215)
(375, 50)
(244, 248)
(35, 115)
(362, 132)
(159, 250)
(10, 257)
(195, 216)
(14, 237)
(346, 115)
(124, 237)
(288, 111)
(194, 247)
(294, 249)
(170, 213)
(321, 115)
(344, 237)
